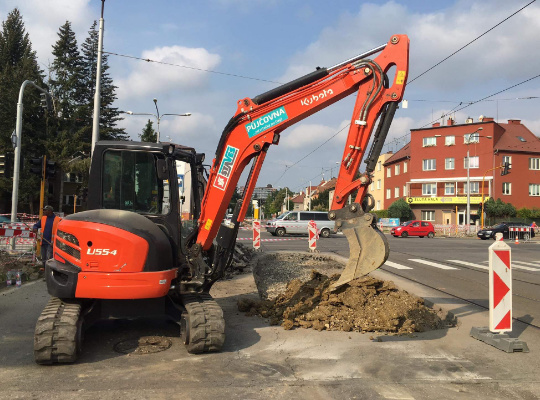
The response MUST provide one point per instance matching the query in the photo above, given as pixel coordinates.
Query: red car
(414, 228)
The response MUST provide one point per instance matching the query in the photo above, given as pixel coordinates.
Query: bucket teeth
(368, 248)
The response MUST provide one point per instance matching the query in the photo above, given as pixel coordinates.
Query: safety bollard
(500, 286)
(313, 236)
(256, 235)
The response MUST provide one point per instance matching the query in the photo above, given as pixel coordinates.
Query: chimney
(487, 119)
(450, 122)
(514, 121)
(436, 124)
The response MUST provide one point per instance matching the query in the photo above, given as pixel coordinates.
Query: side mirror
(162, 169)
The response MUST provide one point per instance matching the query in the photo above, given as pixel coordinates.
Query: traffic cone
(517, 240)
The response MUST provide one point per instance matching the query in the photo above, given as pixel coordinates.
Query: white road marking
(431, 263)
(523, 267)
(395, 265)
(469, 264)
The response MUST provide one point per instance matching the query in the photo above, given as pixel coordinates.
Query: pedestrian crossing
(531, 266)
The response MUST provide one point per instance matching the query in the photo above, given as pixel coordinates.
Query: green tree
(321, 202)
(109, 115)
(275, 201)
(18, 62)
(148, 133)
(400, 209)
(499, 209)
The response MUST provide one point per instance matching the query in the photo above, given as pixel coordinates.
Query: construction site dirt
(295, 293)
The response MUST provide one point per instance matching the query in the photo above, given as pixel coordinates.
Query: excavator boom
(258, 123)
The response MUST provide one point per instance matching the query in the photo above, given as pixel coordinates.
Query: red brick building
(431, 170)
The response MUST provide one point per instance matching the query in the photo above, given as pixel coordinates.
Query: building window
(534, 189)
(428, 215)
(404, 190)
(507, 188)
(475, 162)
(378, 204)
(371, 187)
(471, 138)
(388, 172)
(449, 163)
(396, 192)
(379, 165)
(388, 193)
(73, 177)
(378, 183)
(429, 165)
(449, 189)
(475, 187)
(429, 189)
(430, 141)
(534, 163)
(405, 167)
(449, 140)
(507, 159)
(396, 171)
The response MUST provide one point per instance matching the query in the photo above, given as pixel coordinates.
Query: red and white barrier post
(313, 236)
(500, 286)
(256, 235)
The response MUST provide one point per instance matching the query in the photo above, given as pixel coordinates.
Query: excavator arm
(258, 123)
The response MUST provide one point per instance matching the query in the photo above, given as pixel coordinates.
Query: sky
(248, 47)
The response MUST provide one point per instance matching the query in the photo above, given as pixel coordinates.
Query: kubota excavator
(134, 254)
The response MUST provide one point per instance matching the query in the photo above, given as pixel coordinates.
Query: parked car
(296, 222)
(504, 228)
(414, 228)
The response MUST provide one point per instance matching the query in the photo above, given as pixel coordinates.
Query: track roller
(202, 328)
(58, 334)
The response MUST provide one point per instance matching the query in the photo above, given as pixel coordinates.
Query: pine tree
(18, 62)
(148, 134)
(109, 115)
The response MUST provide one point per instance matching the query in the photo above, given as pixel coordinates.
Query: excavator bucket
(368, 246)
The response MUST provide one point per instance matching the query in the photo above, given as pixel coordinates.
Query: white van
(297, 222)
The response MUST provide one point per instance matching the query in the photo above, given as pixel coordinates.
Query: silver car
(296, 222)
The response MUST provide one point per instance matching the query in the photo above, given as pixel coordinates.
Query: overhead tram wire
(192, 68)
(472, 41)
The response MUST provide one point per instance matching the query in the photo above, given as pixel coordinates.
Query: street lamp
(158, 117)
(468, 142)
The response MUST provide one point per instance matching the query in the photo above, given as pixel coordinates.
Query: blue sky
(278, 40)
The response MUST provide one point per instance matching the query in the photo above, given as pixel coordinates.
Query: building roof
(510, 140)
(331, 184)
(401, 154)
(299, 198)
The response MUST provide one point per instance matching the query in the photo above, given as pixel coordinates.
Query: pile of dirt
(17, 263)
(364, 305)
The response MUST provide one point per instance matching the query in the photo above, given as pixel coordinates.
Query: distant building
(259, 193)
(377, 185)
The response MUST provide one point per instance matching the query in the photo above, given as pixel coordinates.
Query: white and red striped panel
(256, 235)
(516, 229)
(500, 286)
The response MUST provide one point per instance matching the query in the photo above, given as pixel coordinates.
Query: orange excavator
(146, 248)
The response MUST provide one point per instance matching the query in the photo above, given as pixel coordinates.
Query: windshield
(282, 215)
(130, 183)
(499, 226)
(406, 223)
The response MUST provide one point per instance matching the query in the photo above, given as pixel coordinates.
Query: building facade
(376, 188)
(430, 172)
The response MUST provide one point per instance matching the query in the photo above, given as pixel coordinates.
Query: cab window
(291, 217)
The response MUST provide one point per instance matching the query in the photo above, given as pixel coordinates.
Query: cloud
(149, 78)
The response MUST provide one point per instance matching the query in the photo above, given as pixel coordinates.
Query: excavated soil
(364, 305)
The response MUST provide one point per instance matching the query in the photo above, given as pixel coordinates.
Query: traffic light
(506, 168)
(50, 169)
(37, 166)
(46, 102)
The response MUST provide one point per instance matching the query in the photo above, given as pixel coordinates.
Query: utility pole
(97, 94)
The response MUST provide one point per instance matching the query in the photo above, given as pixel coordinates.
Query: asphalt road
(458, 267)
(260, 361)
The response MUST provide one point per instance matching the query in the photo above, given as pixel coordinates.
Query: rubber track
(55, 337)
(207, 325)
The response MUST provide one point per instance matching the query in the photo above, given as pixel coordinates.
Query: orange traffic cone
(517, 240)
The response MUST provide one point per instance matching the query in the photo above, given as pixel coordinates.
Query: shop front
(447, 210)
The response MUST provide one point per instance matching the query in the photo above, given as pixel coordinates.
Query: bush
(400, 209)
(380, 213)
(499, 209)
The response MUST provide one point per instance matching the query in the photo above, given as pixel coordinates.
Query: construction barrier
(500, 286)
(256, 235)
(313, 236)
(515, 233)
(23, 237)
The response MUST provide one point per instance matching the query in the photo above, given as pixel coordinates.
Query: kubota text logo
(226, 167)
(316, 97)
(101, 252)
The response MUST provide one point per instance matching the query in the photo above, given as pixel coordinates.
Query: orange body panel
(103, 248)
(122, 285)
